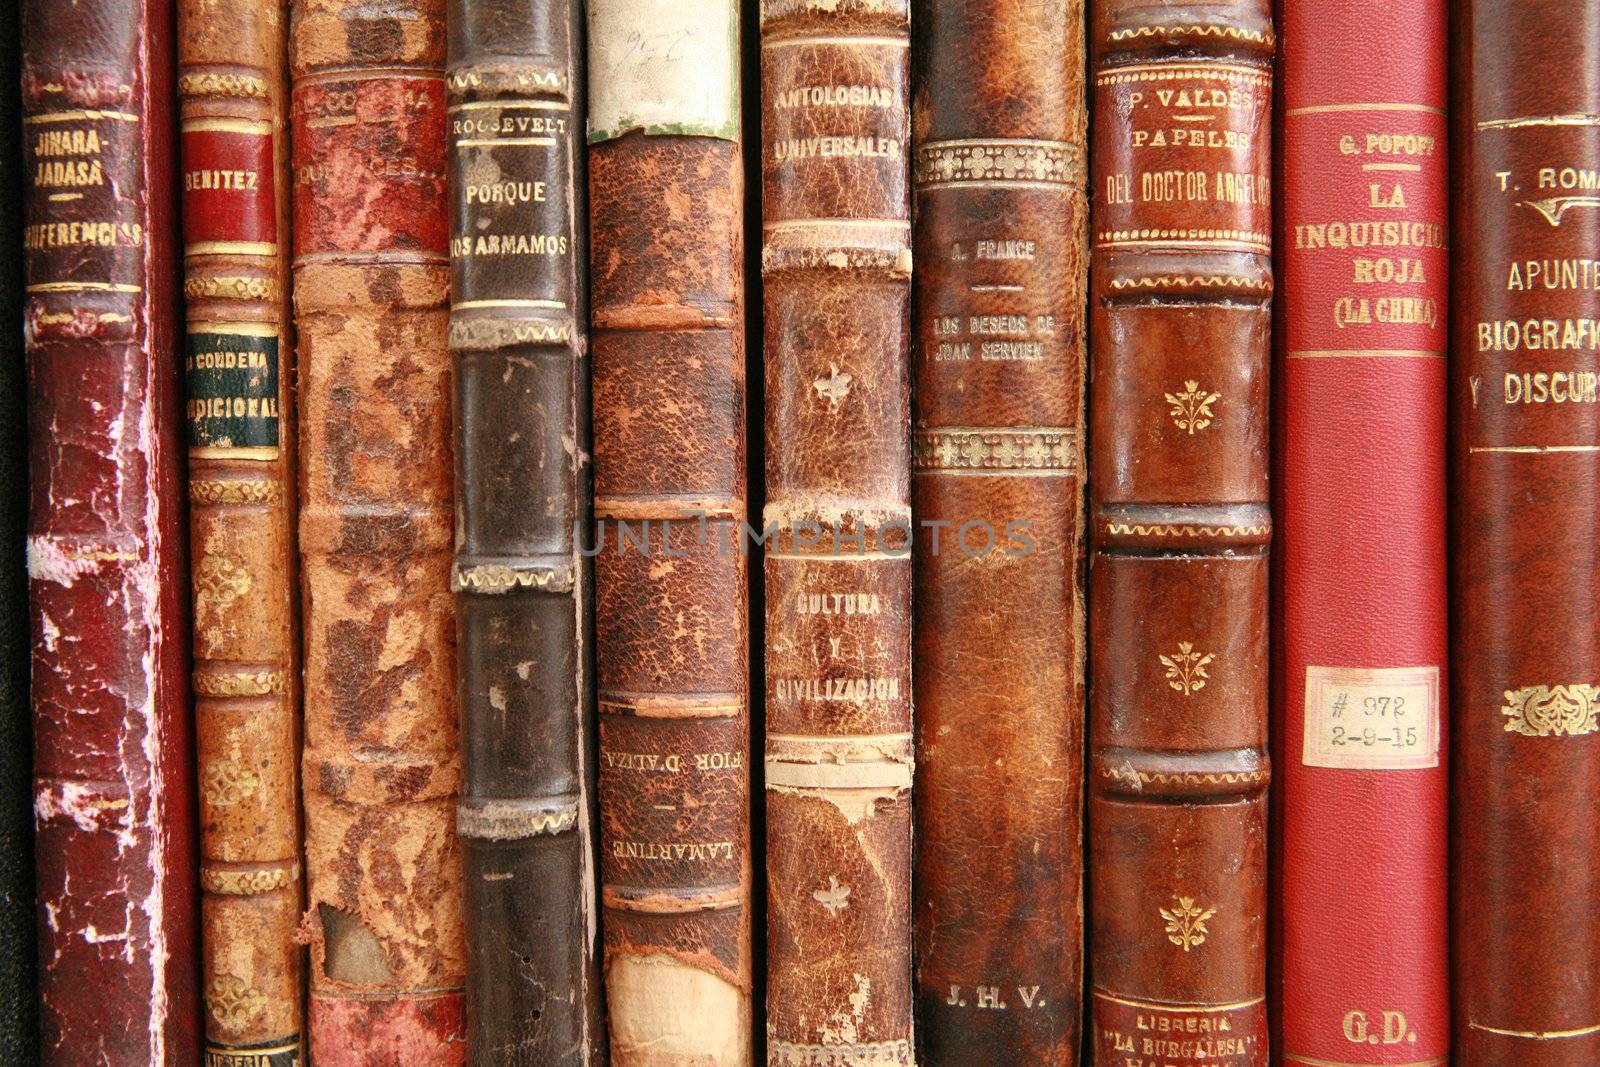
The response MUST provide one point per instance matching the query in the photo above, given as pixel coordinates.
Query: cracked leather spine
(380, 766)
(836, 266)
(667, 258)
(517, 314)
(1180, 291)
(113, 772)
(1001, 244)
(238, 361)
(1360, 918)
(1525, 470)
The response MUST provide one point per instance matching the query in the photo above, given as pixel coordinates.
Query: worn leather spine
(1361, 906)
(19, 984)
(836, 265)
(1001, 272)
(1525, 463)
(516, 331)
(380, 766)
(667, 258)
(238, 361)
(1181, 289)
(112, 734)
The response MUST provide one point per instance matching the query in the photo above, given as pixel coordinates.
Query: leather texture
(1362, 968)
(381, 765)
(1180, 290)
(1001, 271)
(667, 263)
(112, 734)
(19, 1012)
(1525, 456)
(836, 267)
(239, 364)
(526, 817)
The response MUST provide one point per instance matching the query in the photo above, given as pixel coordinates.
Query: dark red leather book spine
(1362, 969)
(112, 770)
(1525, 578)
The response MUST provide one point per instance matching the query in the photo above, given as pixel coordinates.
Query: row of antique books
(432, 664)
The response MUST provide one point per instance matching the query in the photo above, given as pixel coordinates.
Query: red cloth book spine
(112, 754)
(1361, 895)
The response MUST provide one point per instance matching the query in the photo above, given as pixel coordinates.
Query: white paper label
(663, 66)
(1372, 718)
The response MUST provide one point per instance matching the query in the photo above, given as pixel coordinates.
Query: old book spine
(1525, 458)
(371, 282)
(239, 360)
(112, 733)
(19, 980)
(836, 264)
(516, 331)
(669, 444)
(1001, 271)
(1181, 290)
(1362, 970)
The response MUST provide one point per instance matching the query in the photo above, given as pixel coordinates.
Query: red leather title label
(229, 195)
(369, 165)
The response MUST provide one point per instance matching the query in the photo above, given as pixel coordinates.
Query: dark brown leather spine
(1525, 582)
(1181, 298)
(836, 265)
(1001, 269)
(380, 768)
(516, 330)
(239, 362)
(667, 253)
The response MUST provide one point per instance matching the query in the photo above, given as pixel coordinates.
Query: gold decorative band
(226, 491)
(83, 287)
(1156, 1005)
(999, 159)
(239, 683)
(1158, 72)
(877, 1054)
(265, 453)
(1185, 529)
(1552, 710)
(1049, 448)
(508, 820)
(231, 248)
(1290, 1057)
(256, 127)
(80, 116)
(235, 883)
(1537, 1035)
(502, 578)
(211, 84)
(1233, 33)
(1253, 238)
(1195, 281)
(1127, 773)
(1523, 121)
(1328, 109)
(230, 287)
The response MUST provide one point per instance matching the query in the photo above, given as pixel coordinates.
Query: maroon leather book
(1364, 276)
(1525, 573)
(112, 761)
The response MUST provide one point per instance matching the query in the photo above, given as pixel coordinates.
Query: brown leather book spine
(836, 265)
(239, 364)
(1181, 284)
(1001, 272)
(1525, 596)
(517, 311)
(670, 570)
(371, 281)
